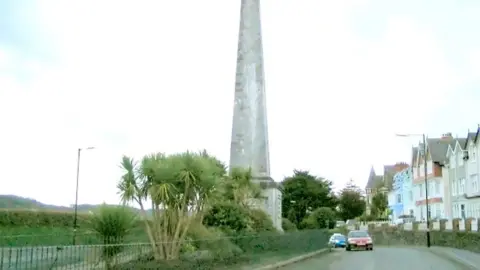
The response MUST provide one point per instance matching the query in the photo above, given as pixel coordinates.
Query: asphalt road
(379, 259)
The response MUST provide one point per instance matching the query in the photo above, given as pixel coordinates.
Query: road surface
(378, 259)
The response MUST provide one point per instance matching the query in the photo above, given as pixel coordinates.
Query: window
(454, 187)
(462, 209)
(474, 182)
(437, 187)
(420, 191)
(460, 159)
(461, 186)
(452, 161)
(438, 213)
(456, 211)
(399, 198)
(429, 167)
(429, 212)
(473, 156)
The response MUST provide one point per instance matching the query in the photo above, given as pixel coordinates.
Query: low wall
(461, 234)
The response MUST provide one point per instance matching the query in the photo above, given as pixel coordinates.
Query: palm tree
(180, 187)
(241, 189)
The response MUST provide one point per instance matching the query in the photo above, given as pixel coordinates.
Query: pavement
(465, 257)
(381, 258)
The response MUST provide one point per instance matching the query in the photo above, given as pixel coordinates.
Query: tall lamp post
(76, 194)
(425, 178)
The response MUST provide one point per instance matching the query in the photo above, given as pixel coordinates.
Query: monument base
(272, 199)
(265, 181)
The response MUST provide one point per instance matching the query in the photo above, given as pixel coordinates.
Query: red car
(359, 240)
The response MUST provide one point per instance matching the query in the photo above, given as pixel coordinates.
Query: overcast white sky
(134, 77)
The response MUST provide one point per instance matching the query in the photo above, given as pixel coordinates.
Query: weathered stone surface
(249, 145)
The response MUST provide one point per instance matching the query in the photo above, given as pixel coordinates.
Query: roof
(377, 181)
(414, 155)
(389, 171)
(371, 179)
(471, 136)
(438, 148)
(462, 142)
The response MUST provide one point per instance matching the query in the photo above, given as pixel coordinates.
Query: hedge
(253, 250)
(29, 218)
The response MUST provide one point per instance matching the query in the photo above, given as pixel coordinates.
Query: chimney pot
(447, 135)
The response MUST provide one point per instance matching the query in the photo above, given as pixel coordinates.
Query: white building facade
(456, 179)
(435, 159)
(472, 172)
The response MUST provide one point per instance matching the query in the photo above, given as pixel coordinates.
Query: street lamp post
(75, 215)
(425, 178)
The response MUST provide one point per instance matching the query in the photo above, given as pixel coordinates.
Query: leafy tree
(379, 204)
(351, 202)
(180, 187)
(321, 218)
(304, 192)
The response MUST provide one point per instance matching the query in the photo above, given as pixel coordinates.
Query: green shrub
(212, 239)
(288, 226)
(260, 221)
(255, 249)
(321, 218)
(112, 224)
(233, 218)
(228, 216)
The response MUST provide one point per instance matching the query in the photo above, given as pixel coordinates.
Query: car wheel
(347, 248)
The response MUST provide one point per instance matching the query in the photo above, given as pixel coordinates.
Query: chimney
(400, 166)
(447, 136)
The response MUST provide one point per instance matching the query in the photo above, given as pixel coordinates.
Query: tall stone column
(249, 145)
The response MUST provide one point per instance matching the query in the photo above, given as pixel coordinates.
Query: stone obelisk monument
(249, 146)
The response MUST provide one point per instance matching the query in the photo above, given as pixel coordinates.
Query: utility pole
(425, 163)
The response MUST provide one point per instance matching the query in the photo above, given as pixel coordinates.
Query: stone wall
(461, 234)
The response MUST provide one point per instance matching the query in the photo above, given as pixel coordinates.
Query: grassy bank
(22, 236)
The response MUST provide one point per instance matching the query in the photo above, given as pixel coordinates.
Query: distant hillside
(17, 202)
(21, 203)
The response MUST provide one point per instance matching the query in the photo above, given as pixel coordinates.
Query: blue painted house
(396, 195)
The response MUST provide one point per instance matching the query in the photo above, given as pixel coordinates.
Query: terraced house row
(453, 169)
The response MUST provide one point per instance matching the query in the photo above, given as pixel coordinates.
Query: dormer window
(453, 164)
(460, 160)
(473, 157)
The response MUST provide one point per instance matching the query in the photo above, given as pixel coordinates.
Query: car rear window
(339, 237)
(358, 234)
